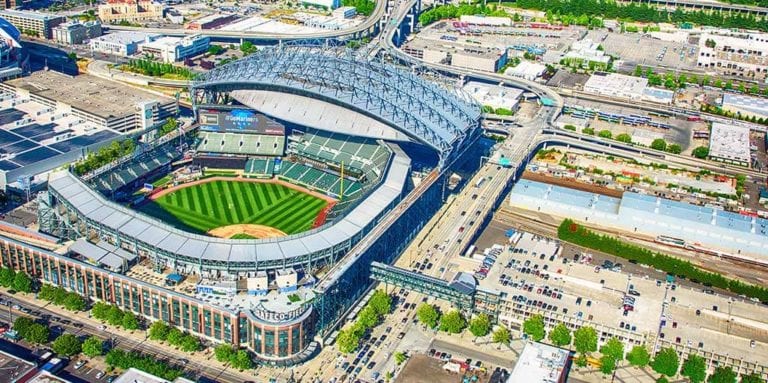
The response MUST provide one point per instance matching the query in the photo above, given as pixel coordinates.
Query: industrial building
(467, 56)
(120, 43)
(587, 53)
(486, 20)
(729, 144)
(134, 11)
(171, 49)
(744, 105)
(75, 32)
(326, 4)
(541, 363)
(494, 96)
(37, 23)
(103, 103)
(732, 233)
(211, 22)
(527, 70)
(734, 53)
(616, 85)
(15, 369)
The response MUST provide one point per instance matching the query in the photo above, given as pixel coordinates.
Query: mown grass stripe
(205, 192)
(231, 204)
(303, 218)
(247, 194)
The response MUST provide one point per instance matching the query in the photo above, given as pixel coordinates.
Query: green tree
(624, 137)
(347, 341)
(674, 149)
(722, 375)
(37, 333)
(114, 316)
(22, 324)
(701, 152)
(666, 362)
(480, 325)
(662, 379)
(22, 282)
(613, 348)
(570, 127)
(585, 339)
(242, 361)
(752, 378)
(400, 357)
(368, 317)
(158, 331)
(589, 131)
(501, 336)
(453, 322)
(605, 133)
(7, 276)
(560, 335)
(694, 368)
(93, 346)
(428, 315)
(175, 336)
(607, 364)
(74, 302)
(100, 310)
(659, 144)
(380, 302)
(189, 343)
(224, 353)
(67, 344)
(130, 322)
(534, 327)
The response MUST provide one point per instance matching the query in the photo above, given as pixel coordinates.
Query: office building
(32, 23)
(75, 33)
(172, 49)
(134, 11)
(734, 54)
(120, 43)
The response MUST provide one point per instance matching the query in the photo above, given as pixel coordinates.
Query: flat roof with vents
(90, 94)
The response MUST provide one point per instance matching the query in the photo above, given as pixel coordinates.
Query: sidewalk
(204, 358)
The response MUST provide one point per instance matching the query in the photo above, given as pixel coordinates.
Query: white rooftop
(539, 363)
(729, 142)
(124, 37)
(615, 84)
(527, 70)
(493, 95)
(133, 375)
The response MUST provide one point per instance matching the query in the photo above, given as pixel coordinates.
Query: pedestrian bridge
(460, 291)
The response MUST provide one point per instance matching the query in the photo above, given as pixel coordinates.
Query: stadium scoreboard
(238, 121)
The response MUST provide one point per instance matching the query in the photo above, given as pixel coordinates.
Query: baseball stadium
(257, 225)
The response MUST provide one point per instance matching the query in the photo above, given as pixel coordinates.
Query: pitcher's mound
(246, 231)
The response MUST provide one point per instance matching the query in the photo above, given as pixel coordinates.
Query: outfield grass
(203, 207)
(242, 236)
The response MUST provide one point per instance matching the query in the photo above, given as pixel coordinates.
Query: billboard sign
(238, 121)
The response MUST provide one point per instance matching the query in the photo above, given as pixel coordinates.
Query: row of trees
(364, 7)
(105, 155)
(238, 359)
(61, 297)
(114, 316)
(610, 9)
(671, 81)
(169, 126)
(157, 69)
(65, 344)
(714, 109)
(694, 368)
(378, 305)
(125, 360)
(451, 11)
(32, 332)
(658, 144)
(454, 322)
(498, 111)
(18, 281)
(571, 231)
(160, 331)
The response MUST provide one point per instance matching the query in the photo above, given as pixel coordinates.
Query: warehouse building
(472, 57)
(211, 22)
(104, 103)
(732, 233)
(527, 70)
(75, 32)
(37, 23)
(616, 85)
(172, 49)
(120, 43)
(734, 53)
(494, 96)
(729, 144)
(745, 105)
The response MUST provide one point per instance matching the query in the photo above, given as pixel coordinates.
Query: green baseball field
(212, 206)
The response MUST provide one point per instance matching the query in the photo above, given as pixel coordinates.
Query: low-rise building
(734, 54)
(120, 43)
(729, 144)
(174, 16)
(616, 85)
(133, 375)
(527, 70)
(327, 4)
(587, 54)
(488, 59)
(15, 369)
(172, 49)
(746, 106)
(115, 11)
(74, 32)
(33, 23)
(344, 12)
(211, 22)
(541, 363)
(494, 96)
